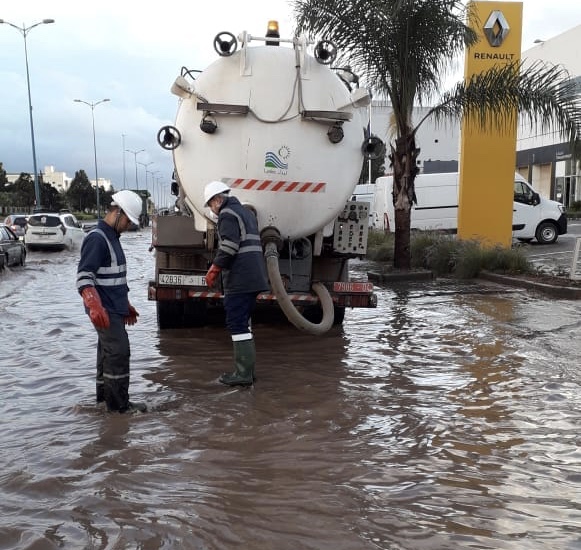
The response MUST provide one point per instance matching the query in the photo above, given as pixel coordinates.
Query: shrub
(444, 254)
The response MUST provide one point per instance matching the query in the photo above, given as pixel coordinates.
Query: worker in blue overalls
(239, 260)
(102, 283)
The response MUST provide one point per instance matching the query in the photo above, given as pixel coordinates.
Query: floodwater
(447, 418)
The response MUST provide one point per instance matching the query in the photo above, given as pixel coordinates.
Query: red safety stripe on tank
(272, 185)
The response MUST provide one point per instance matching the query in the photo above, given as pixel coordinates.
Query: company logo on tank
(274, 163)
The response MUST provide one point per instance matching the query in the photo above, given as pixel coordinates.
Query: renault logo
(496, 28)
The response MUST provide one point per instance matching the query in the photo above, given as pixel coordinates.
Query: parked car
(17, 222)
(53, 231)
(11, 247)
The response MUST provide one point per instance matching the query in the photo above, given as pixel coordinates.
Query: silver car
(17, 222)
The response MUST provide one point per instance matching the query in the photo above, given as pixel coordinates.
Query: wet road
(557, 258)
(446, 418)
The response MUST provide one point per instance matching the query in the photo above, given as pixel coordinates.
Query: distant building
(59, 180)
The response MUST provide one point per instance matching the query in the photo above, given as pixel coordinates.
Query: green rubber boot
(244, 360)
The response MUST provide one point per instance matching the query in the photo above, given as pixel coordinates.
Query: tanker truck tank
(286, 133)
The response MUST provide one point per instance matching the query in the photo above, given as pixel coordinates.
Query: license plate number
(181, 279)
(353, 287)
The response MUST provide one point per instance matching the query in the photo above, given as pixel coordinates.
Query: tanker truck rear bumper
(344, 294)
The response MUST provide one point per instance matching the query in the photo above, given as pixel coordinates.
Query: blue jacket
(103, 266)
(239, 250)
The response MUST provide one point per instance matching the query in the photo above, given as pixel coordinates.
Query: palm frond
(403, 49)
(541, 94)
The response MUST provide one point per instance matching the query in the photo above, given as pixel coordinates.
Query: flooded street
(446, 418)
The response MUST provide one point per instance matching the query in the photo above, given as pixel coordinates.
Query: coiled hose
(289, 309)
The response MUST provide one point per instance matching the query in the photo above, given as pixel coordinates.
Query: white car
(53, 231)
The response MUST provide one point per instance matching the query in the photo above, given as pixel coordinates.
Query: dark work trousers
(239, 308)
(113, 364)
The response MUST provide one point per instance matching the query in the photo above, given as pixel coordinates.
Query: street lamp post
(135, 153)
(92, 106)
(24, 31)
(152, 179)
(124, 172)
(145, 165)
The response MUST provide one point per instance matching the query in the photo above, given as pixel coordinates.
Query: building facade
(545, 159)
(439, 144)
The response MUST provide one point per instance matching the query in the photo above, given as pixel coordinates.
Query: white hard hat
(214, 188)
(130, 202)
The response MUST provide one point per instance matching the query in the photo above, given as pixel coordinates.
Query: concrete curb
(559, 291)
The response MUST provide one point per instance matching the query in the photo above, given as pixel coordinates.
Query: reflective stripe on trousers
(113, 355)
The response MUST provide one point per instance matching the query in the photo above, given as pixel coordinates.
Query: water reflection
(446, 418)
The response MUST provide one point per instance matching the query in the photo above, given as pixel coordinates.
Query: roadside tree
(23, 191)
(81, 194)
(403, 50)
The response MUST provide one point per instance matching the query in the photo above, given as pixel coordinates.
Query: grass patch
(444, 254)
(380, 246)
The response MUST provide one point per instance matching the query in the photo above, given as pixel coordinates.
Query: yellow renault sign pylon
(488, 156)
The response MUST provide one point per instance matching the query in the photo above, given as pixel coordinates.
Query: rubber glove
(97, 313)
(131, 319)
(212, 275)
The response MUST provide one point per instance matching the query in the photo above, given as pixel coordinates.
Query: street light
(93, 105)
(24, 31)
(124, 172)
(145, 165)
(135, 153)
(152, 179)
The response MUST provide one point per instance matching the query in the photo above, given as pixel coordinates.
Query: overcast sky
(131, 53)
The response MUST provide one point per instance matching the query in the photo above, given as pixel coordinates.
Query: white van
(534, 217)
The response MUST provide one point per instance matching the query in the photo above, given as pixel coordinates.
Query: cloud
(131, 53)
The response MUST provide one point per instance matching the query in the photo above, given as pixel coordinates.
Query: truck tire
(546, 233)
(195, 314)
(170, 314)
(314, 314)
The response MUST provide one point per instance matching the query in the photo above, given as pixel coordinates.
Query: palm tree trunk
(403, 160)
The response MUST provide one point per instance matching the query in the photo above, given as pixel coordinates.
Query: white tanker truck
(284, 130)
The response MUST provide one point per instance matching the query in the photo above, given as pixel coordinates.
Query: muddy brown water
(449, 417)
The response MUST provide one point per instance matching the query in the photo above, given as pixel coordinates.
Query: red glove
(131, 319)
(212, 275)
(99, 317)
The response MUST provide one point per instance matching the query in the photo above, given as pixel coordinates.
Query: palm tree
(404, 49)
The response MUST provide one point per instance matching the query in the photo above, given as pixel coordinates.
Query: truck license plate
(353, 288)
(181, 279)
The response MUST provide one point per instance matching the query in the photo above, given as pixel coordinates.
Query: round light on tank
(208, 125)
(335, 133)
